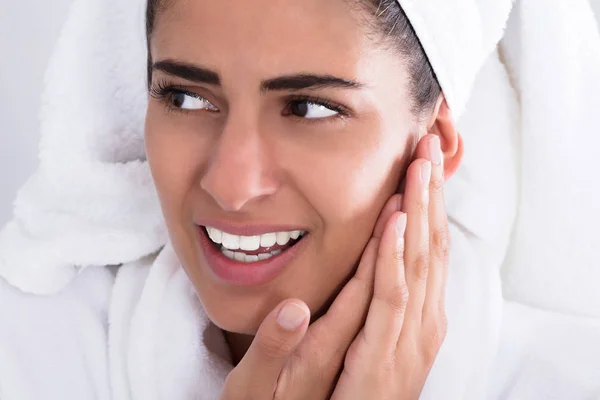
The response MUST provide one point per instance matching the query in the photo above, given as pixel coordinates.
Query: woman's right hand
(287, 360)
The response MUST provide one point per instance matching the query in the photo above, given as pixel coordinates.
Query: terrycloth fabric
(92, 204)
(55, 347)
(161, 344)
(546, 356)
(457, 36)
(555, 63)
(92, 200)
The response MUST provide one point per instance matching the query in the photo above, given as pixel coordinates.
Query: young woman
(277, 229)
(277, 132)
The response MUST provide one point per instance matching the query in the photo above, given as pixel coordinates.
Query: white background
(28, 32)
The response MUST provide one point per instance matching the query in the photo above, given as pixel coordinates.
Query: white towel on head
(458, 36)
(92, 201)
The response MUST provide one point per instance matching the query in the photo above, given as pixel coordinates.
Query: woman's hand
(406, 322)
(382, 334)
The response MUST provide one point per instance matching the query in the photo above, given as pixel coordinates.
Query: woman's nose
(241, 169)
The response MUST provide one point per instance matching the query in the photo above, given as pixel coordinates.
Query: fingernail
(401, 225)
(435, 150)
(291, 316)
(426, 173)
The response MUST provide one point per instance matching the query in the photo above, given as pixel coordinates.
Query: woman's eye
(189, 102)
(310, 110)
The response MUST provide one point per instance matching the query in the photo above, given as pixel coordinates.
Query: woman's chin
(248, 327)
(243, 323)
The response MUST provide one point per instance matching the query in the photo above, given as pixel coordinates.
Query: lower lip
(246, 274)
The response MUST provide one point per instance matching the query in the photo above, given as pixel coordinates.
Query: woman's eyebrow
(308, 81)
(196, 73)
(190, 72)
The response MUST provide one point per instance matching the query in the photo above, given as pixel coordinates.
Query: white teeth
(283, 238)
(249, 243)
(268, 240)
(232, 242)
(215, 235)
(245, 258)
(264, 256)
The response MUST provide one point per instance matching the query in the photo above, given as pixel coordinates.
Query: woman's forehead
(276, 37)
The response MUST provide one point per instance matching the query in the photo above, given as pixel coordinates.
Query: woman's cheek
(357, 187)
(177, 147)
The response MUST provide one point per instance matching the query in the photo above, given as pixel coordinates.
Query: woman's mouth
(251, 249)
(249, 260)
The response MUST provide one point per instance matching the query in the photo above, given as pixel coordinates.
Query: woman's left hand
(406, 323)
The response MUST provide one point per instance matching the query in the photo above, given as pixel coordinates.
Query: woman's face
(286, 116)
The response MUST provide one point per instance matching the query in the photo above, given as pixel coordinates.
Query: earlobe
(452, 162)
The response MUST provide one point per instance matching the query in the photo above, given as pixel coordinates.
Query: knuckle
(439, 333)
(398, 253)
(436, 185)
(429, 355)
(435, 338)
(423, 205)
(441, 242)
(402, 294)
(422, 266)
(443, 326)
(397, 299)
(273, 347)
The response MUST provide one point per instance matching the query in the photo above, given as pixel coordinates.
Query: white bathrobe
(130, 326)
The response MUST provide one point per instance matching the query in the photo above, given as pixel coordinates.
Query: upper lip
(249, 229)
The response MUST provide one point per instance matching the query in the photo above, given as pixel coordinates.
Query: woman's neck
(238, 345)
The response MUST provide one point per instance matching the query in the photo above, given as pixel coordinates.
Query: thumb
(277, 338)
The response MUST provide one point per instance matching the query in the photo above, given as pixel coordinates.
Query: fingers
(387, 310)
(439, 234)
(393, 205)
(335, 330)
(416, 254)
(324, 348)
(277, 338)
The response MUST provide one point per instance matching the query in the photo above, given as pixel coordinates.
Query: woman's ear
(443, 125)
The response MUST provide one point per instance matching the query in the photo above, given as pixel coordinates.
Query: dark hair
(388, 20)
